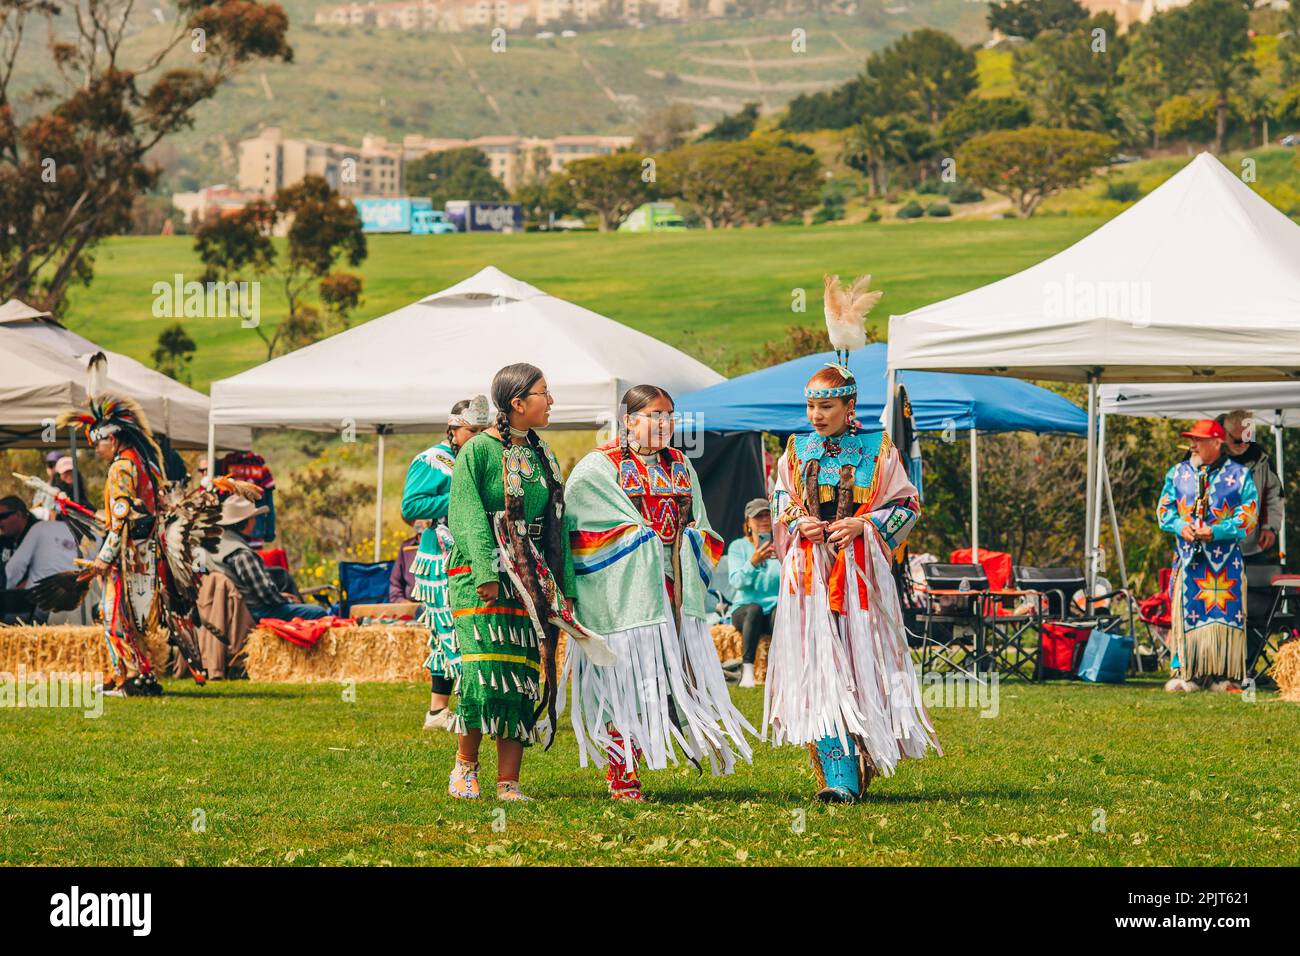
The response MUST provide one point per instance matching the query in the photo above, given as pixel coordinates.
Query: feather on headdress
(116, 416)
(846, 314)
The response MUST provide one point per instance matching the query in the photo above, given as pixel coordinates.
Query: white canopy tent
(1276, 404)
(1198, 281)
(403, 371)
(36, 383)
(175, 410)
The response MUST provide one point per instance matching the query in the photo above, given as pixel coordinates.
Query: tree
(1028, 165)
(838, 108)
(1288, 44)
(925, 73)
(982, 115)
(1067, 79)
(608, 186)
(172, 354)
(73, 165)
(323, 228)
(736, 126)
(1187, 117)
(542, 200)
(1205, 47)
(664, 129)
(731, 184)
(872, 145)
(454, 174)
(1028, 18)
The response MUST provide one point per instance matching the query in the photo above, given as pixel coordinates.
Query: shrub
(1122, 190)
(912, 210)
(938, 210)
(964, 193)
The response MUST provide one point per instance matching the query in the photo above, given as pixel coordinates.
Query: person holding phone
(755, 574)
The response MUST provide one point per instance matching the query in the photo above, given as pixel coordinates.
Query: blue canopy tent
(771, 400)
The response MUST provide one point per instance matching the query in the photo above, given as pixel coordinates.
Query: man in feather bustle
(152, 532)
(840, 678)
(1210, 504)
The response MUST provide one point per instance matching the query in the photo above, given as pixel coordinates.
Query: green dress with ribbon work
(500, 675)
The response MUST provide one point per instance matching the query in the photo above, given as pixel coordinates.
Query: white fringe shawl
(632, 695)
(844, 675)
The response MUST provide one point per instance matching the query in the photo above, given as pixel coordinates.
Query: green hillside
(345, 82)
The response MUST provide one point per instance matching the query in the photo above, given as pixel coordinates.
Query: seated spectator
(35, 549)
(63, 479)
(755, 574)
(43, 501)
(237, 561)
(402, 582)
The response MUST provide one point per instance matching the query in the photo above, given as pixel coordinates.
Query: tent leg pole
(379, 493)
(1088, 571)
(1098, 493)
(974, 497)
(1277, 463)
(212, 451)
(891, 386)
(1114, 527)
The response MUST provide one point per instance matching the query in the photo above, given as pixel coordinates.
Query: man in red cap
(1209, 503)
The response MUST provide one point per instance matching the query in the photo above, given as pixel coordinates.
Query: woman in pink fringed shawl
(840, 677)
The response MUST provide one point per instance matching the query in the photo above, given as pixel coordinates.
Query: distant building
(515, 160)
(219, 200)
(458, 16)
(269, 161)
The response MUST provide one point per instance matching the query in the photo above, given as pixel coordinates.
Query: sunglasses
(7, 514)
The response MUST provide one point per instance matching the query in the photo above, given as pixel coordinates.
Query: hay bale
(68, 649)
(376, 652)
(731, 647)
(1286, 671)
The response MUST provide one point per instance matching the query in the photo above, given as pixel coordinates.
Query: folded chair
(950, 619)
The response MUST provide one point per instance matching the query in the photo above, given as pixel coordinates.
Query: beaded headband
(476, 416)
(840, 391)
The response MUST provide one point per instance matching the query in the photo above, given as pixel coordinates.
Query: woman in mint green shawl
(643, 555)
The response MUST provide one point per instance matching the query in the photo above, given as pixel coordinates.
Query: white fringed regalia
(839, 670)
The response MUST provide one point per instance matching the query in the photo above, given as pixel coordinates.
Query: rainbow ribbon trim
(593, 550)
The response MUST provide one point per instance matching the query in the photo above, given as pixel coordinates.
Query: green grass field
(1064, 774)
(717, 295)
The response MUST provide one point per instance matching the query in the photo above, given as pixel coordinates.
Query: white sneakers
(747, 677)
(440, 720)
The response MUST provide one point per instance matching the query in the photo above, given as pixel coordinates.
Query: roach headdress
(108, 415)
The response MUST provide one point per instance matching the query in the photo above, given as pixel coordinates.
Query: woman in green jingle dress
(509, 469)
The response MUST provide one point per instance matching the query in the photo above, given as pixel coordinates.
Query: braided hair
(511, 382)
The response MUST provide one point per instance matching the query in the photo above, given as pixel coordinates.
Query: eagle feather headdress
(846, 314)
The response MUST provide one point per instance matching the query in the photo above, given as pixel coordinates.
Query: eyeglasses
(546, 392)
(657, 416)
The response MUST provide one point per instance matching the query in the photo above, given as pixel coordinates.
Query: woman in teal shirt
(755, 574)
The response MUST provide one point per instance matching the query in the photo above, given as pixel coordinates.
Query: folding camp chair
(1012, 636)
(953, 629)
(1283, 618)
(362, 583)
